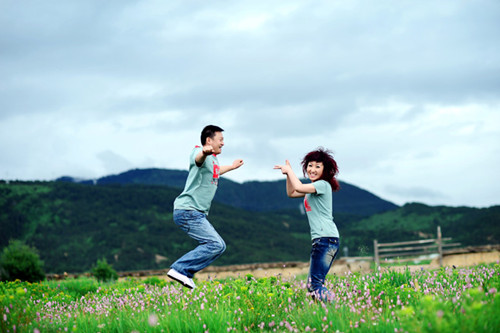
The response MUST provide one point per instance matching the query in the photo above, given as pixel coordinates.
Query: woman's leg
(323, 252)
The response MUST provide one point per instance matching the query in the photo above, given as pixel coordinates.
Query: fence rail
(411, 249)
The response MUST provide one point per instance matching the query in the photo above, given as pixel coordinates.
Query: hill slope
(73, 225)
(469, 226)
(254, 195)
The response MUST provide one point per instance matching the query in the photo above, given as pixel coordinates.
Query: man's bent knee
(217, 246)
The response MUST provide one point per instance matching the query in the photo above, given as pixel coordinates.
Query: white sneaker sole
(182, 279)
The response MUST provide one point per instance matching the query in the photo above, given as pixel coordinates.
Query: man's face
(217, 142)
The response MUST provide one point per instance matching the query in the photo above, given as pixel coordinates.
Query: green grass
(444, 300)
(397, 263)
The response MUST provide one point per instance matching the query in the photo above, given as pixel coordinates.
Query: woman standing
(321, 169)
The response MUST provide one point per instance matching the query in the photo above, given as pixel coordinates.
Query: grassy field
(444, 300)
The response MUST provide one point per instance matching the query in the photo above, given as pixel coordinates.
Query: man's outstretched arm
(225, 168)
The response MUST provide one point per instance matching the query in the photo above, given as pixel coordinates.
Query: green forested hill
(469, 226)
(73, 225)
(262, 196)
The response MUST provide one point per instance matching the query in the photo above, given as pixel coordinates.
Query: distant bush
(19, 261)
(75, 288)
(155, 281)
(104, 271)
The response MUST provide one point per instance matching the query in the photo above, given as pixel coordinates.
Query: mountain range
(263, 196)
(127, 219)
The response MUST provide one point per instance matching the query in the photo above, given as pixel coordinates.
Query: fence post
(440, 246)
(375, 251)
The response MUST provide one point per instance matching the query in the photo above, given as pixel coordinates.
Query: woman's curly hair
(330, 168)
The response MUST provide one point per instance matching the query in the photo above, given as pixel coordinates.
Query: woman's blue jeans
(323, 252)
(211, 245)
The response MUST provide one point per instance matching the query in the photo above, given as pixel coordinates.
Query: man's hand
(225, 168)
(237, 164)
(208, 150)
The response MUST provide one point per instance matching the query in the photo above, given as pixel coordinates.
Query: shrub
(75, 288)
(155, 281)
(103, 271)
(19, 261)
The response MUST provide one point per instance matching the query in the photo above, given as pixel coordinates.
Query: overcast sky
(405, 93)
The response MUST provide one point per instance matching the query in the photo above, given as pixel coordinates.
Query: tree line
(74, 225)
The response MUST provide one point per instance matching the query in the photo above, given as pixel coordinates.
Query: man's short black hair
(209, 132)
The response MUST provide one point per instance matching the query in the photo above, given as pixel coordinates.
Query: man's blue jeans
(211, 245)
(323, 252)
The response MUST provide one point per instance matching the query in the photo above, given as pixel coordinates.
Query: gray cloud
(113, 162)
(392, 87)
(416, 193)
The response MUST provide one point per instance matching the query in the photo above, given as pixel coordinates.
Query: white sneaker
(184, 280)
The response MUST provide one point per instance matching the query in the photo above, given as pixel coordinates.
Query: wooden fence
(410, 250)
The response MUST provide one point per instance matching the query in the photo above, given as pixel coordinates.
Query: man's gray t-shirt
(201, 184)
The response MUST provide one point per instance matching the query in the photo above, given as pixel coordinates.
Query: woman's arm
(290, 191)
(294, 187)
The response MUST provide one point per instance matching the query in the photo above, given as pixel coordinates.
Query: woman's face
(314, 170)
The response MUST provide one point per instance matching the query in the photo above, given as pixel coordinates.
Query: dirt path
(469, 259)
(343, 266)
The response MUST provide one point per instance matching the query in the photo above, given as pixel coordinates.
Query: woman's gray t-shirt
(319, 210)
